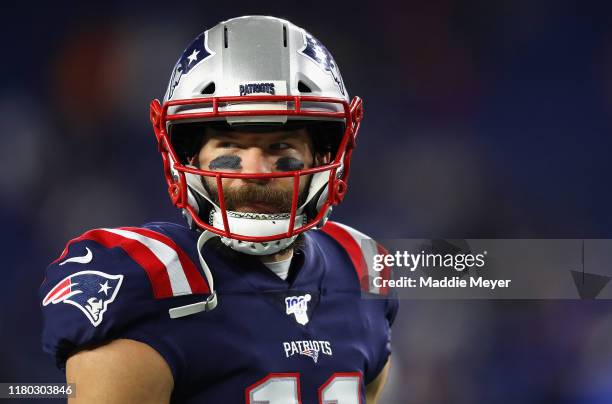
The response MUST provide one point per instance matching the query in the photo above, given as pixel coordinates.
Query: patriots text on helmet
(257, 88)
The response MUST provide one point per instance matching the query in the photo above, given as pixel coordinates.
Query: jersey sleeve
(361, 250)
(115, 283)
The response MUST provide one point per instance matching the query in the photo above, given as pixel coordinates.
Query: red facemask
(298, 107)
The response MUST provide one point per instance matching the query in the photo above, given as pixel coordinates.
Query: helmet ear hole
(209, 89)
(303, 88)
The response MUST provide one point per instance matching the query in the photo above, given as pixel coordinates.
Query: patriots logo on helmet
(316, 51)
(192, 55)
(90, 291)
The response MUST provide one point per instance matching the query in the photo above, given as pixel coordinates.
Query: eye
(227, 145)
(280, 146)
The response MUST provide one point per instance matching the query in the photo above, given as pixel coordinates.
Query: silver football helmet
(256, 70)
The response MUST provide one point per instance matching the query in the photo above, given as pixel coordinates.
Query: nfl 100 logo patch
(298, 306)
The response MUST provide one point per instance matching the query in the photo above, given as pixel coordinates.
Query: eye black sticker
(289, 164)
(227, 162)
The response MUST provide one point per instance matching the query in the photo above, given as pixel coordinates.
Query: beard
(275, 199)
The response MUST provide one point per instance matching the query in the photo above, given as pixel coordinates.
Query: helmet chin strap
(258, 225)
(211, 302)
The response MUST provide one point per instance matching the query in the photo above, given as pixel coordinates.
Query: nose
(256, 161)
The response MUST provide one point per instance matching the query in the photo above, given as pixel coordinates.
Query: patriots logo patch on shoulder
(90, 291)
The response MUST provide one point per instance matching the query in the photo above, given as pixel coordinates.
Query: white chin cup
(256, 225)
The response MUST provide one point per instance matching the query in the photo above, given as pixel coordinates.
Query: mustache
(252, 193)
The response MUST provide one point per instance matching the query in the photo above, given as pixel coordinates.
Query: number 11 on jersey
(284, 388)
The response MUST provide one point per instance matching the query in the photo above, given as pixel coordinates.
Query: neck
(279, 256)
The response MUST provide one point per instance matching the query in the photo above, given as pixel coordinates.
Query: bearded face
(258, 198)
(257, 152)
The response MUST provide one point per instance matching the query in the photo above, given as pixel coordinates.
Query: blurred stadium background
(483, 119)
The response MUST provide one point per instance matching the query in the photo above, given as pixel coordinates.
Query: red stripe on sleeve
(155, 269)
(197, 283)
(353, 249)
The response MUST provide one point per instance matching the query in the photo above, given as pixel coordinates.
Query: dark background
(483, 119)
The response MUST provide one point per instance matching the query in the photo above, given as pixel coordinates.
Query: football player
(260, 298)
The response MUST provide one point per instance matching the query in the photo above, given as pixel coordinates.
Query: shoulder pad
(169, 269)
(108, 280)
(361, 249)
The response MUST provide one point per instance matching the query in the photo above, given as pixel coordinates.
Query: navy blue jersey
(313, 338)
